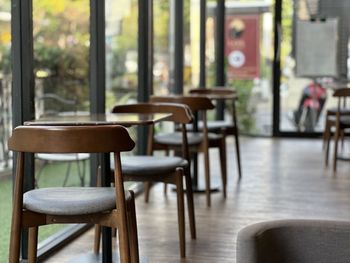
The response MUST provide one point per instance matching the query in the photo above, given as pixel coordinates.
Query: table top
(221, 96)
(124, 119)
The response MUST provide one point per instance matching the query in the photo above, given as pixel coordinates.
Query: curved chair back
(179, 113)
(70, 139)
(195, 103)
(214, 91)
(342, 92)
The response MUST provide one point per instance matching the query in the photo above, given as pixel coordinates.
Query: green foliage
(61, 49)
(245, 112)
(287, 28)
(5, 217)
(161, 25)
(5, 59)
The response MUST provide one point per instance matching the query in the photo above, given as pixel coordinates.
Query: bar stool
(107, 206)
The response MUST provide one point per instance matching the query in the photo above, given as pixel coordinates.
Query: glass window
(61, 67)
(121, 52)
(248, 60)
(306, 87)
(161, 48)
(5, 127)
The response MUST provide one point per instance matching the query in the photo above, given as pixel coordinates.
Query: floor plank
(282, 178)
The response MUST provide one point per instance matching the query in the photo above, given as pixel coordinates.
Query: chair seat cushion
(151, 165)
(70, 200)
(71, 157)
(175, 138)
(213, 125)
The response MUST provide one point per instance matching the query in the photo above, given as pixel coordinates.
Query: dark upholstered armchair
(295, 241)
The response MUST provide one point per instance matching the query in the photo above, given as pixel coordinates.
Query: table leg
(106, 245)
(106, 231)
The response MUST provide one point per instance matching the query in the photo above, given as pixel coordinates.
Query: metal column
(220, 52)
(145, 63)
(277, 67)
(178, 53)
(23, 83)
(98, 101)
(202, 43)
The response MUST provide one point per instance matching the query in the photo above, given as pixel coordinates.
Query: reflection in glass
(121, 52)
(5, 127)
(248, 60)
(161, 49)
(61, 67)
(304, 99)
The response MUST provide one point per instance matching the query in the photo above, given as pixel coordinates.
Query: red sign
(242, 46)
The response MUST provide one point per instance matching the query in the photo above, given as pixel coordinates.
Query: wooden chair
(224, 127)
(330, 126)
(342, 122)
(198, 141)
(111, 207)
(166, 169)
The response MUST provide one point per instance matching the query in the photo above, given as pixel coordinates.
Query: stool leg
(81, 171)
(38, 174)
(222, 149)
(32, 244)
(190, 204)
(326, 138)
(336, 141)
(180, 211)
(132, 224)
(165, 189)
(326, 133)
(238, 154)
(147, 186)
(97, 239)
(15, 238)
(207, 175)
(67, 174)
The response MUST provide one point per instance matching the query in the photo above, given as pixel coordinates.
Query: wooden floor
(282, 178)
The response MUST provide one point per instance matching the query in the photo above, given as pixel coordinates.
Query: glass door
(248, 60)
(314, 60)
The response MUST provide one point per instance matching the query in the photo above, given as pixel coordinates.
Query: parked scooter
(310, 106)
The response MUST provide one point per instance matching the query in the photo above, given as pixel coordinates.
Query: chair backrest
(342, 94)
(180, 113)
(213, 91)
(70, 139)
(195, 103)
(220, 94)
